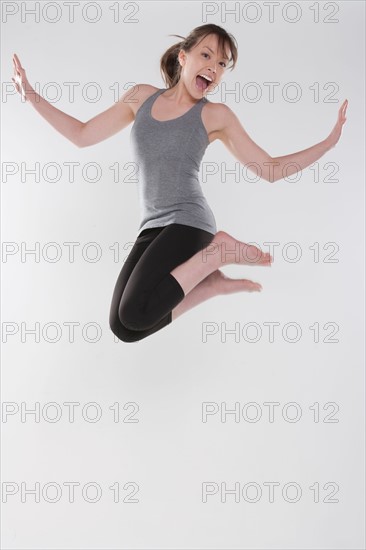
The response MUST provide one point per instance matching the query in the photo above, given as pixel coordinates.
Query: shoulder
(137, 94)
(216, 117)
(221, 113)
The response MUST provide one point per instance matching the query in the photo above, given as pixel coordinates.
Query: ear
(181, 57)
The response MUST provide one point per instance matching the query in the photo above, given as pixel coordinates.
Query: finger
(255, 286)
(16, 67)
(15, 83)
(19, 65)
(266, 259)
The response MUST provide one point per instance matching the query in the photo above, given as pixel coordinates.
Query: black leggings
(146, 291)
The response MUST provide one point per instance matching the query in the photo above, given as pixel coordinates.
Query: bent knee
(123, 333)
(132, 316)
(134, 322)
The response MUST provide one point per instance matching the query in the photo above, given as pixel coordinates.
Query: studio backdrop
(241, 424)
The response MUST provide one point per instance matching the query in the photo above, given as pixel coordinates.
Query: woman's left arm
(233, 135)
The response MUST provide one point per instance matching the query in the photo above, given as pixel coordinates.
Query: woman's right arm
(82, 134)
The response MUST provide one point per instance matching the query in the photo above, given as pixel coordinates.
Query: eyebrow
(225, 57)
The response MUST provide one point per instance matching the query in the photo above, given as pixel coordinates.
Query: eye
(222, 62)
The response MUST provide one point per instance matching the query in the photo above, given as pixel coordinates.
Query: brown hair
(169, 64)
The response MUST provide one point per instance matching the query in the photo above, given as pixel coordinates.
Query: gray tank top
(168, 155)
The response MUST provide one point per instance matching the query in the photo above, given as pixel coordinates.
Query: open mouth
(202, 83)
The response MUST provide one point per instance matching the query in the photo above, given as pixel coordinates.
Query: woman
(175, 262)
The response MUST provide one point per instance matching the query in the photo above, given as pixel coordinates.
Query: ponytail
(169, 63)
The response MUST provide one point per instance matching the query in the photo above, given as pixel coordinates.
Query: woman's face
(205, 59)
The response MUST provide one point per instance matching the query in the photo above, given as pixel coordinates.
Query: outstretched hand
(337, 130)
(20, 81)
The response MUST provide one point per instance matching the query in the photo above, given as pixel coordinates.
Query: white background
(170, 453)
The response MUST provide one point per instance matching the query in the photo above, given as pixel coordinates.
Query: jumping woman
(175, 261)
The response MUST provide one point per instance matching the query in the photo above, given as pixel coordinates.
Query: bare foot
(232, 251)
(225, 285)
